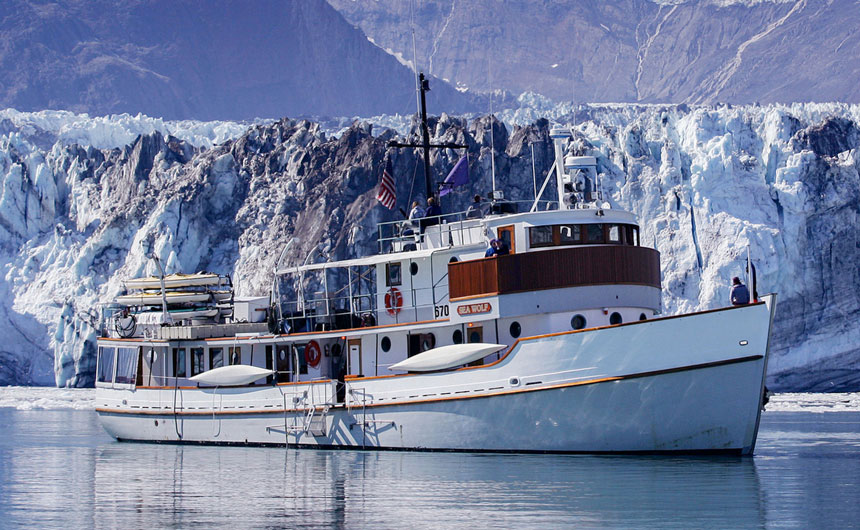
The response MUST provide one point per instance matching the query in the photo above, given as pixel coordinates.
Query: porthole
(615, 318)
(413, 268)
(577, 322)
(458, 337)
(428, 341)
(453, 259)
(385, 344)
(282, 354)
(516, 329)
(335, 349)
(474, 336)
(643, 317)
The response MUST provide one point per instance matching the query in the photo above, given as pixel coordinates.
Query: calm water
(59, 470)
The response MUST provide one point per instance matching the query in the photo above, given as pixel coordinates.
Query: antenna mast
(425, 145)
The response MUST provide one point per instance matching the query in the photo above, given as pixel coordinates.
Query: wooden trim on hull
(639, 375)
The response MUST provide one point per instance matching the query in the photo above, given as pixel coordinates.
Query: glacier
(82, 197)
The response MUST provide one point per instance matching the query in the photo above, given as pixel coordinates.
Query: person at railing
(740, 294)
(416, 213)
(497, 248)
(475, 210)
(433, 214)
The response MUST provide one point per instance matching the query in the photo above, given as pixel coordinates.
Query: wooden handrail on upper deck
(554, 269)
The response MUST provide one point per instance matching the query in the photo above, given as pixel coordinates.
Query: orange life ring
(312, 353)
(393, 301)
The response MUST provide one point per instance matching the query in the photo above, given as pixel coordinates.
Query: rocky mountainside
(664, 51)
(181, 59)
(706, 183)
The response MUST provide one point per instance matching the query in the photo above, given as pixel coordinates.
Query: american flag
(387, 194)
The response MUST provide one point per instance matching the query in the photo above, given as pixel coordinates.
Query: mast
(425, 132)
(425, 145)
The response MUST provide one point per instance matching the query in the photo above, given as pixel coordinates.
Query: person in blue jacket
(740, 293)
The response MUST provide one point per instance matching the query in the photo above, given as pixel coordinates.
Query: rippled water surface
(58, 469)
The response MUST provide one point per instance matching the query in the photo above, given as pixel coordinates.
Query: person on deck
(475, 211)
(502, 248)
(491, 250)
(740, 294)
(497, 248)
(416, 213)
(433, 213)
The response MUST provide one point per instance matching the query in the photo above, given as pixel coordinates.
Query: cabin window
(594, 233)
(615, 318)
(570, 234)
(196, 361)
(126, 365)
(614, 234)
(420, 342)
(458, 337)
(516, 329)
(541, 236)
(577, 322)
(216, 358)
(106, 365)
(428, 341)
(234, 354)
(179, 362)
(392, 274)
(385, 344)
(413, 268)
(636, 236)
(642, 316)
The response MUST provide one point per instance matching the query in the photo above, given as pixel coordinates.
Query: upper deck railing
(454, 229)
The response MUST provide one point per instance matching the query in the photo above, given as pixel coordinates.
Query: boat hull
(622, 389)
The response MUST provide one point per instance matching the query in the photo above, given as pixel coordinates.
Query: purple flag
(457, 177)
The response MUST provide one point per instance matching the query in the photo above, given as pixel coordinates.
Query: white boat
(401, 350)
(445, 357)
(174, 281)
(232, 375)
(172, 297)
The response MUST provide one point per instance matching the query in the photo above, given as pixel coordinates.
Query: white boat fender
(445, 357)
(232, 375)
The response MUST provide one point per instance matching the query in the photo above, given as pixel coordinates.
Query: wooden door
(506, 234)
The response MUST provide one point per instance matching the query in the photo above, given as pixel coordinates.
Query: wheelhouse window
(570, 234)
(216, 358)
(541, 236)
(196, 361)
(179, 369)
(106, 365)
(126, 365)
(592, 234)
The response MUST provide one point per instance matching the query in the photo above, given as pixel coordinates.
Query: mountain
(666, 51)
(185, 59)
(707, 183)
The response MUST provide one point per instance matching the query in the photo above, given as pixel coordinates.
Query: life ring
(312, 353)
(393, 301)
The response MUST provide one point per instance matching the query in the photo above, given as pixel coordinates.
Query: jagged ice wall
(706, 182)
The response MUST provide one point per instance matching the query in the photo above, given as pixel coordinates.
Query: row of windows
(586, 234)
(216, 359)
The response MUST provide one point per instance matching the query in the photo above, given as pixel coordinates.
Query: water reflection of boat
(587, 364)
